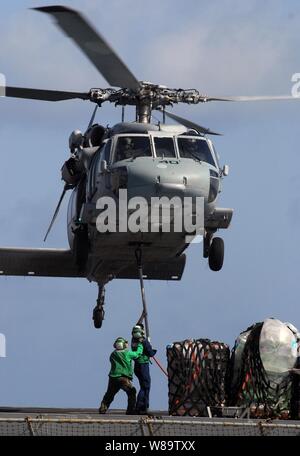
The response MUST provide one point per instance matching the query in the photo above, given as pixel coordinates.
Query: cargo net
(268, 396)
(197, 375)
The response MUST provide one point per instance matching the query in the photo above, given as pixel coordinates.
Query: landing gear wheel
(216, 254)
(98, 316)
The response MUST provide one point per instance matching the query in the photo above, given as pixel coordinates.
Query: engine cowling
(94, 135)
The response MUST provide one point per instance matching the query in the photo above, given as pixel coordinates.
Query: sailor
(193, 147)
(124, 149)
(141, 367)
(120, 375)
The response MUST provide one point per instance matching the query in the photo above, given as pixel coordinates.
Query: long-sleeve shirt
(121, 362)
(148, 351)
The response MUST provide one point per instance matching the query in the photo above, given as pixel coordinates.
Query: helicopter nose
(170, 189)
(157, 189)
(169, 185)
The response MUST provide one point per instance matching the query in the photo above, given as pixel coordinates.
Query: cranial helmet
(128, 142)
(138, 331)
(120, 343)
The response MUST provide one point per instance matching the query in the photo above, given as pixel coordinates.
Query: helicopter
(143, 158)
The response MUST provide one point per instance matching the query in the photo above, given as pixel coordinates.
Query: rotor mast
(143, 112)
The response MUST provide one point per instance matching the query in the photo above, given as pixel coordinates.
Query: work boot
(130, 412)
(142, 412)
(103, 408)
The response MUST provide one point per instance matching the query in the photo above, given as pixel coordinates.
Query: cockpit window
(164, 147)
(195, 148)
(132, 147)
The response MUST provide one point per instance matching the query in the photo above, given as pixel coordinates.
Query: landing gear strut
(98, 312)
(206, 243)
(213, 249)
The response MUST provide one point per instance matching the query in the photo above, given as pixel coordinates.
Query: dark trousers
(142, 372)
(114, 386)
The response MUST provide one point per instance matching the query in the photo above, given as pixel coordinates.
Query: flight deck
(17, 421)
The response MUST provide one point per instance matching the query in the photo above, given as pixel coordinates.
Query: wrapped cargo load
(261, 364)
(197, 375)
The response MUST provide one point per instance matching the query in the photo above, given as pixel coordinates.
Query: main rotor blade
(45, 95)
(94, 46)
(252, 98)
(56, 211)
(190, 124)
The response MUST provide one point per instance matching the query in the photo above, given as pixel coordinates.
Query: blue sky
(54, 355)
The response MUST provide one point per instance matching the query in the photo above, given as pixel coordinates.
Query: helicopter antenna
(66, 187)
(93, 117)
(158, 121)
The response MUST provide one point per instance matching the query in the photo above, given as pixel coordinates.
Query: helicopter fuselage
(146, 161)
(143, 160)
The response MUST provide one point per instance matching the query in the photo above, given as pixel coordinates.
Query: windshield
(164, 147)
(132, 147)
(195, 148)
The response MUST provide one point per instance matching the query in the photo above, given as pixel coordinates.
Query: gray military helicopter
(162, 160)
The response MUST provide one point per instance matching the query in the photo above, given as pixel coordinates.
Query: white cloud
(223, 47)
(224, 57)
(34, 52)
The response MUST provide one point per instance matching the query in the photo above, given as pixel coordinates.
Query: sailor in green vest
(121, 374)
(141, 367)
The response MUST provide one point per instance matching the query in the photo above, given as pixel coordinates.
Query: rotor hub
(146, 97)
